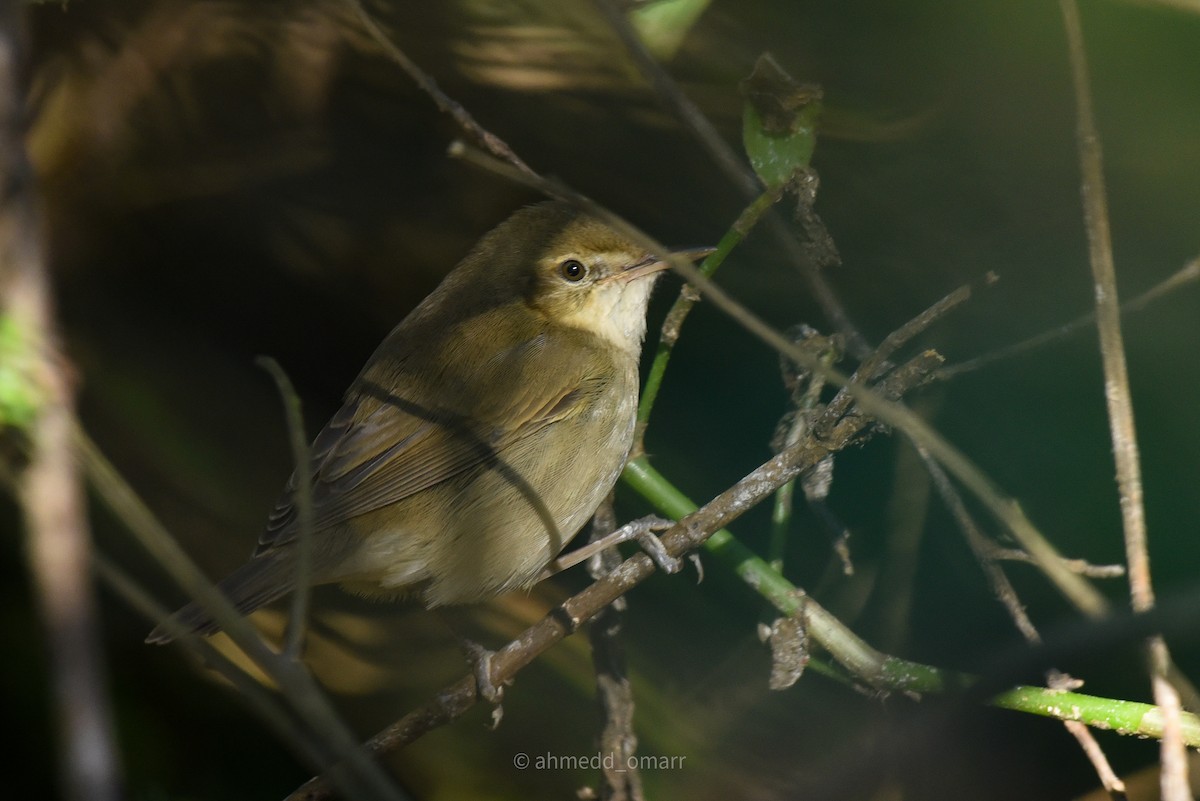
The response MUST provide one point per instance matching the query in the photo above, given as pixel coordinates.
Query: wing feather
(382, 448)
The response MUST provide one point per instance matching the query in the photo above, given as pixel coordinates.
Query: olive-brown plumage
(482, 433)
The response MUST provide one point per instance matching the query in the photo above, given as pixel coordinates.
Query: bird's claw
(654, 548)
(481, 665)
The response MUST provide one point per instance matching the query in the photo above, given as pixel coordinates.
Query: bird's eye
(572, 270)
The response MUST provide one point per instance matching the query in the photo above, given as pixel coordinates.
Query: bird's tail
(260, 581)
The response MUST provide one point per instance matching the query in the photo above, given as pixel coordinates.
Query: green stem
(881, 670)
(781, 522)
(1123, 717)
(687, 299)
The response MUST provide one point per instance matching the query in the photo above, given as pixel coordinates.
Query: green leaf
(779, 122)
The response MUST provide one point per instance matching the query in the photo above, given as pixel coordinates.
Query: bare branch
(49, 488)
(1119, 399)
(689, 533)
(614, 693)
(1087, 741)
(982, 548)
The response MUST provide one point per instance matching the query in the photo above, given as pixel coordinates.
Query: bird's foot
(653, 546)
(642, 530)
(481, 665)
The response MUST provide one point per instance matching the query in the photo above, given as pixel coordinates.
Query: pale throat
(616, 312)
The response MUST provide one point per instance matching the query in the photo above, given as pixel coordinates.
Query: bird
(482, 433)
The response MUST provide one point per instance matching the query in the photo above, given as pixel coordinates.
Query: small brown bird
(482, 433)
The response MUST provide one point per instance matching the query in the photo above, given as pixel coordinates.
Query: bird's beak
(653, 264)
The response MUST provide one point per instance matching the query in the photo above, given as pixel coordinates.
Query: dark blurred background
(230, 178)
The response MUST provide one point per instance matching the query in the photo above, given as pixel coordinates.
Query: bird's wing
(381, 448)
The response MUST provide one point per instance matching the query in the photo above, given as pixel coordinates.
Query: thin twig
(1081, 566)
(981, 547)
(353, 772)
(986, 555)
(1186, 274)
(494, 144)
(1091, 748)
(298, 615)
(310, 745)
(1120, 403)
(877, 361)
(58, 538)
(666, 88)
(621, 781)
(1108, 321)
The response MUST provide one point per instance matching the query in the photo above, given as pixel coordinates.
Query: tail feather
(256, 583)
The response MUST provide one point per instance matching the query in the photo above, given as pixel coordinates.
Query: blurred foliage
(664, 25)
(19, 394)
(227, 178)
